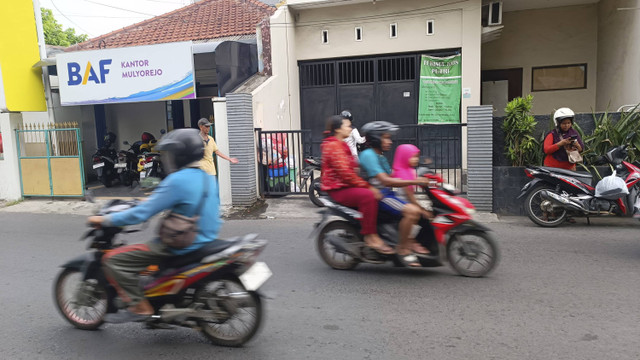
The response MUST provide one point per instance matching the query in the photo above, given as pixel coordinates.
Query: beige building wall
(552, 36)
(618, 54)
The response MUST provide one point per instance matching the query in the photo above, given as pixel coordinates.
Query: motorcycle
(470, 249)
(213, 289)
(104, 160)
(150, 169)
(308, 172)
(126, 167)
(553, 194)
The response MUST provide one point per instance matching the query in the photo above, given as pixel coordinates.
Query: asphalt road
(568, 293)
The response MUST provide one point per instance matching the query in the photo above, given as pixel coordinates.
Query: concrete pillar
(222, 140)
(10, 188)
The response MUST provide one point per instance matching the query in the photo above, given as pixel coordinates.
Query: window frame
(535, 68)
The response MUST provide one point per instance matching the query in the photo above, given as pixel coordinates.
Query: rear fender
(526, 189)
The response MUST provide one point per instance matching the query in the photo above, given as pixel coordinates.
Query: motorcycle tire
(314, 195)
(228, 301)
(533, 207)
(329, 253)
(86, 304)
(468, 257)
(125, 179)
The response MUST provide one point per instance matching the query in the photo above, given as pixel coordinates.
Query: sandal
(419, 249)
(382, 248)
(409, 260)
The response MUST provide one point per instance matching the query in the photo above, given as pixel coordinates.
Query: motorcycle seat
(584, 177)
(195, 256)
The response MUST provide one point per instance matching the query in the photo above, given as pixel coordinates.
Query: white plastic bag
(611, 187)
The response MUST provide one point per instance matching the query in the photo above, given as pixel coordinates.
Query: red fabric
(363, 200)
(549, 148)
(338, 166)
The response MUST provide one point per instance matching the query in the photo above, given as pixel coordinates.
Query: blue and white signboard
(133, 74)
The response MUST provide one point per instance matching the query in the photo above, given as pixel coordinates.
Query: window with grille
(318, 74)
(397, 69)
(355, 72)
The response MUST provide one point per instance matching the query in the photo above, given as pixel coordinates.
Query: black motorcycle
(104, 160)
(127, 165)
(308, 172)
(213, 290)
(553, 194)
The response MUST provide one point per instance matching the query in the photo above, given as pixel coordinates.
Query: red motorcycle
(469, 248)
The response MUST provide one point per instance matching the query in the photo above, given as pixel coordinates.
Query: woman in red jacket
(340, 181)
(564, 137)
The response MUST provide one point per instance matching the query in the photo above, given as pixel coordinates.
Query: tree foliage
(53, 33)
(521, 148)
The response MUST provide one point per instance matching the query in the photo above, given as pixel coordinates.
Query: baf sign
(142, 73)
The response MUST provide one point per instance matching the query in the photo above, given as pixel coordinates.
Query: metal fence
(281, 155)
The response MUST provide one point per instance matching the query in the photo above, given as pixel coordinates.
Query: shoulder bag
(179, 231)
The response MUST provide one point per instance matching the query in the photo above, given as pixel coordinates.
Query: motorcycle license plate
(143, 175)
(120, 165)
(148, 165)
(255, 276)
(98, 165)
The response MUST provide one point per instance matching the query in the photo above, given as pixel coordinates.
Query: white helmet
(561, 114)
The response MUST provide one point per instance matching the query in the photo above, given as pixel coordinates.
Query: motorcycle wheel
(328, 251)
(534, 206)
(314, 194)
(82, 302)
(473, 253)
(236, 312)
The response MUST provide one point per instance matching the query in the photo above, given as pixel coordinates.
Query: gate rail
(281, 155)
(51, 151)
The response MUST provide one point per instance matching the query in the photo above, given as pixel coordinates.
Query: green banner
(440, 89)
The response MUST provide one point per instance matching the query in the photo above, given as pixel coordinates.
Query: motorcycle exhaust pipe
(562, 201)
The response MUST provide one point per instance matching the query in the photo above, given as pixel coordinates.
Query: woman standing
(343, 185)
(562, 139)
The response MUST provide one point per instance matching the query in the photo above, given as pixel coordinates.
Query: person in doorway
(182, 191)
(562, 139)
(343, 184)
(354, 138)
(377, 169)
(210, 148)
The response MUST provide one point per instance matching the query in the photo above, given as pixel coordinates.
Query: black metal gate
(281, 155)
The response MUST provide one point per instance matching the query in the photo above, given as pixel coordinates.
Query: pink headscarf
(401, 168)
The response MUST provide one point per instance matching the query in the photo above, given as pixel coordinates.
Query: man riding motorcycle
(376, 169)
(181, 192)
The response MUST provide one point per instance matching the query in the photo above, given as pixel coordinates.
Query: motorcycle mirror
(163, 131)
(125, 142)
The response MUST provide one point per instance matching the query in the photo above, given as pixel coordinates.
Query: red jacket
(338, 166)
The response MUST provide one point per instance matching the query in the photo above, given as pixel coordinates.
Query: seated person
(343, 184)
(376, 168)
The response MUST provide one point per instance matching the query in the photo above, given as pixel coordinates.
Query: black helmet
(373, 131)
(346, 114)
(180, 148)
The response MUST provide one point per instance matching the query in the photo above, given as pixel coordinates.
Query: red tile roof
(204, 20)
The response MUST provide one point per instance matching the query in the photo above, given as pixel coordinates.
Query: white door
(496, 93)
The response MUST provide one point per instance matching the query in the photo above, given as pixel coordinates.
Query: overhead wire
(71, 21)
(119, 8)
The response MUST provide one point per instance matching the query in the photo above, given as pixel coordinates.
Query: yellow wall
(23, 87)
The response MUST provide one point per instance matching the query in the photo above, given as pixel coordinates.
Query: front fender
(88, 264)
(470, 225)
(78, 262)
(528, 187)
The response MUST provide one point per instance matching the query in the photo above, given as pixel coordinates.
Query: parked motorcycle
(150, 166)
(213, 289)
(553, 194)
(127, 164)
(104, 160)
(469, 248)
(308, 172)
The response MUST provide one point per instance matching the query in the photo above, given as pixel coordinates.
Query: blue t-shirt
(373, 164)
(180, 192)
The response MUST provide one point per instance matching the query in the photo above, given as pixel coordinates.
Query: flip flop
(421, 250)
(409, 260)
(382, 249)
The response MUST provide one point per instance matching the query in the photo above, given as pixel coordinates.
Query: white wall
(9, 168)
(552, 36)
(618, 54)
(128, 121)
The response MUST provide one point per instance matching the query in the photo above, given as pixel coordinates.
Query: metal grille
(318, 74)
(240, 123)
(480, 156)
(397, 69)
(355, 72)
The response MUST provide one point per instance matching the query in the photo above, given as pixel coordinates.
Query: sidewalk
(287, 207)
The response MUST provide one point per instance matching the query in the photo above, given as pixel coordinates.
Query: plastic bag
(611, 187)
